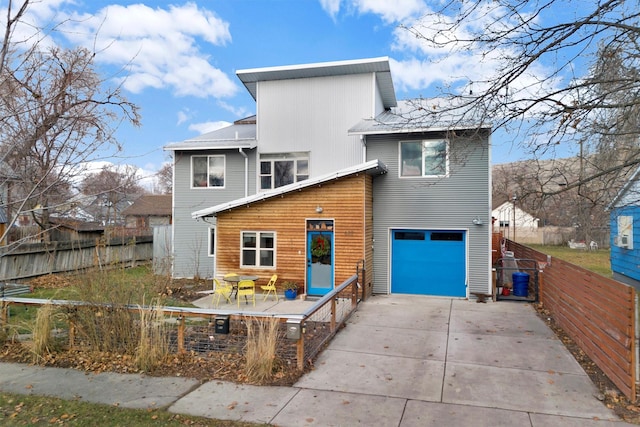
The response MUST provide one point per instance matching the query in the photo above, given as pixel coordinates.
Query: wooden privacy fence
(598, 313)
(209, 332)
(37, 259)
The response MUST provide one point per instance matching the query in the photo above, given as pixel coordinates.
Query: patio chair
(221, 290)
(246, 288)
(270, 287)
(232, 280)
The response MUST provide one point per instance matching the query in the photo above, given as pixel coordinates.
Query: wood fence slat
(598, 313)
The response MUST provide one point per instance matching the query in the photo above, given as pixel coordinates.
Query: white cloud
(158, 47)
(183, 116)
(146, 175)
(208, 126)
(391, 11)
(237, 111)
(450, 63)
(332, 7)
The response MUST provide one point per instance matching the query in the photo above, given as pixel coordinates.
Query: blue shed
(625, 232)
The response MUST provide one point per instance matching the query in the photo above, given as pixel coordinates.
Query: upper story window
(424, 158)
(277, 170)
(258, 249)
(207, 171)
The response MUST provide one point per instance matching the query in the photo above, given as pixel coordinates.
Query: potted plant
(290, 290)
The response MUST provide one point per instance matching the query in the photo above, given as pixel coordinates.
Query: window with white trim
(212, 241)
(258, 249)
(281, 169)
(424, 158)
(207, 171)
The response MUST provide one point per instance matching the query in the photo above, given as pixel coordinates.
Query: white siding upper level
(314, 115)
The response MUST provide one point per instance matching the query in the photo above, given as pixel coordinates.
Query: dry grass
(262, 340)
(43, 341)
(153, 346)
(106, 323)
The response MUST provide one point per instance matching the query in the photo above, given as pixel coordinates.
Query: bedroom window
(207, 171)
(424, 158)
(258, 249)
(277, 170)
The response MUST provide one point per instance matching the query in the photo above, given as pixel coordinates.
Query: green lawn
(596, 261)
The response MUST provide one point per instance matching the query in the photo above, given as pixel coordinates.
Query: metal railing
(210, 332)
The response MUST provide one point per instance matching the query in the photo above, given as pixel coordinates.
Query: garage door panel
(428, 262)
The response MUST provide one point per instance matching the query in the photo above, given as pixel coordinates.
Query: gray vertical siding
(434, 203)
(190, 237)
(314, 115)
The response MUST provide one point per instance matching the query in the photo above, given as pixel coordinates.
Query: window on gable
(277, 170)
(258, 249)
(208, 171)
(424, 158)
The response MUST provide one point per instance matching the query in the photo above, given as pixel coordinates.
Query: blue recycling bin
(520, 284)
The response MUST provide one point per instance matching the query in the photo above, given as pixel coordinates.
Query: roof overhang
(422, 115)
(236, 136)
(373, 167)
(233, 144)
(379, 66)
(624, 190)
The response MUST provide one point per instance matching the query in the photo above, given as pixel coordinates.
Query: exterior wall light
(319, 209)
(477, 221)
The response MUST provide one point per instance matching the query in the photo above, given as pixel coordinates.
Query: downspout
(363, 141)
(246, 170)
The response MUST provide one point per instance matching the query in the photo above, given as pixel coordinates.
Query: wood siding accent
(597, 312)
(346, 201)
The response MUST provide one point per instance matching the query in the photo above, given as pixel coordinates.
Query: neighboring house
(625, 232)
(333, 173)
(99, 209)
(148, 210)
(505, 219)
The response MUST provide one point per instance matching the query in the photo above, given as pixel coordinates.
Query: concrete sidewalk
(401, 361)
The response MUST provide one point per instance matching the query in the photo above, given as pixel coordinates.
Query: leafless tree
(164, 179)
(567, 75)
(109, 191)
(57, 113)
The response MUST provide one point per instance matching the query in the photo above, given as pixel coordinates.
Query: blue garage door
(428, 262)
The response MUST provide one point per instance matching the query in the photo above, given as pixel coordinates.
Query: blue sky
(180, 57)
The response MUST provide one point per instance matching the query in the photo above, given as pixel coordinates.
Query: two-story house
(334, 174)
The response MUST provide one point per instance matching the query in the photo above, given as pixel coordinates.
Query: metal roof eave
(414, 130)
(232, 144)
(371, 167)
(378, 66)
